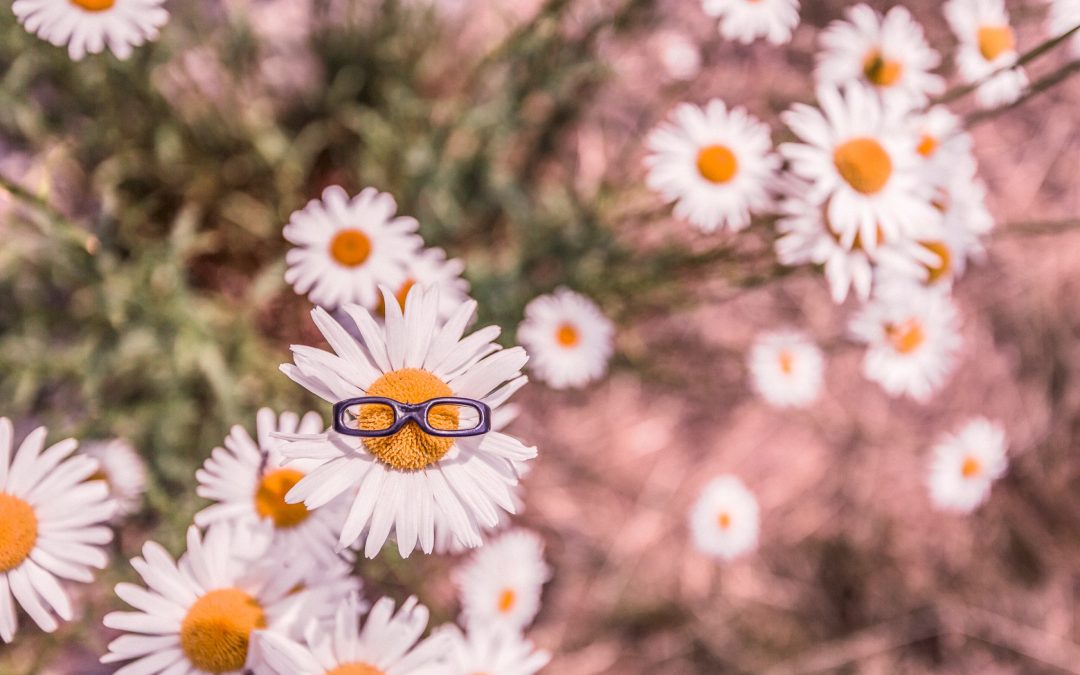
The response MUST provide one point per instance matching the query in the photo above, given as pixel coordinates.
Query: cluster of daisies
(880, 190)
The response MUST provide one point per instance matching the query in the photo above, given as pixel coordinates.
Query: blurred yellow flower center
(350, 247)
(355, 669)
(18, 531)
(970, 468)
(217, 629)
(270, 498)
(881, 71)
(864, 164)
(787, 362)
(717, 164)
(995, 41)
(410, 448)
(906, 337)
(507, 600)
(98, 475)
(94, 5)
(567, 335)
(942, 269)
(927, 146)
(724, 520)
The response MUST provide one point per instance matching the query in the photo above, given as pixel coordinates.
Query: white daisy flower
(912, 339)
(431, 268)
(966, 464)
(409, 479)
(942, 142)
(346, 248)
(198, 615)
(786, 369)
(502, 582)
(987, 46)
(123, 471)
(51, 526)
(248, 481)
(492, 649)
(89, 26)
(569, 338)
(725, 520)
(386, 644)
(748, 20)
(1064, 17)
(860, 160)
(715, 164)
(888, 54)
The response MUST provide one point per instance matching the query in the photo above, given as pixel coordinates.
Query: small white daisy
(123, 471)
(888, 54)
(715, 164)
(748, 20)
(569, 338)
(430, 267)
(725, 520)
(386, 644)
(248, 481)
(786, 369)
(408, 480)
(966, 464)
(502, 582)
(1064, 17)
(198, 615)
(912, 339)
(51, 526)
(987, 46)
(942, 142)
(89, 26)
(345, 248)
(860, 159)
(492, 649)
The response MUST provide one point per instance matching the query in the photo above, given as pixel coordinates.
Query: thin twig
(1039, 86)
(51, 220)
(1036, 228)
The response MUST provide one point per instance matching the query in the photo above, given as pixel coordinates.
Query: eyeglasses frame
(412, 412)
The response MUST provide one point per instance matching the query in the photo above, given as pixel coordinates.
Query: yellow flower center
(906, 337)
(881, 71)
(717, 164)
(970, 468)
(995, 41)
(787, 362)
(350, 248)
(724, 520)
(355, 669)
(217, 629)
(410, 448)
(567, 336)
(94, 5)
(18, 531)
(507, 600)
(927, 146)
(942, 269)
(864, 164)
(270, 498)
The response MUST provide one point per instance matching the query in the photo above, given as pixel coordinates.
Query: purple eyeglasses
(472, 417)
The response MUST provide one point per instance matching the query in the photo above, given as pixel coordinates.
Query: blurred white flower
(888, 54)
(716, 164)
(89, 26)
(502, 582)
(680, 56)
(786, 368)
(748, 20)
(492, 649)
(51, 526)
(1065, 16)
(861, 161)
(345, 248)
(966, 464)
(987, 45)
(123, 471)
(569, 339)
(198, 615)
(942, 142)
(404, 482)
(430, 267)
(386, 643)
(248, 480)
(912, 339)
(725, 520)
